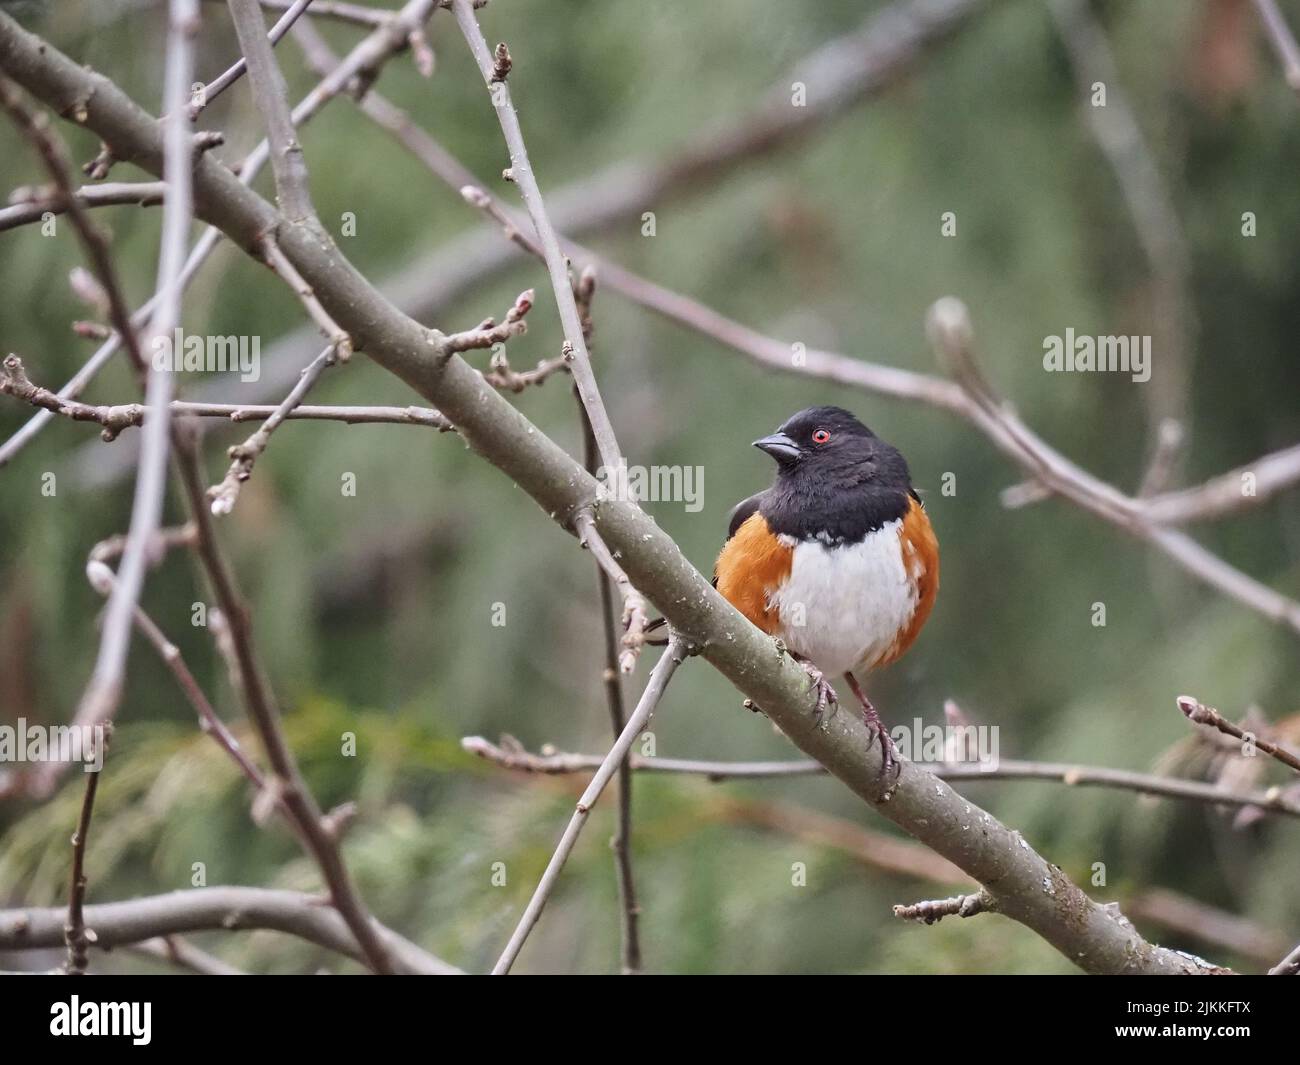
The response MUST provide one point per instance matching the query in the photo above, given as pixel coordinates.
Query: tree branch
(271, 95)
(672, 657)
(1001, 859)
(613, 683)
(1066, 773)
(635, 617)
(959, 906)
(291, 789)
(521, 172)
(1196, 711)
(212, 909)
(75, 936)
(29, 205)
(218, 85)
(1282, 40)
(365, 60)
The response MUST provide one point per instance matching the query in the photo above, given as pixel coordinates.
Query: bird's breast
(845, 605)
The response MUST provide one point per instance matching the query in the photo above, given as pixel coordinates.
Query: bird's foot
(888, 752)
(826, 696)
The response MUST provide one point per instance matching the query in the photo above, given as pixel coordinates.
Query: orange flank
(921, 558)
(752, 566)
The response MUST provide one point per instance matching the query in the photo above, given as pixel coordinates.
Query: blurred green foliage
(374, 613)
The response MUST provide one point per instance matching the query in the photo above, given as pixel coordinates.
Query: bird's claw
(826, 696)
(888, 751)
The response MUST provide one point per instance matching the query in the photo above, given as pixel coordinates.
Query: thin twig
(948, 324)
(279, 262)
(30, 205)
(114, 419)
(1194, 710)
(1150, 205)
(1288, 966)
(489, 333)
(226, 908)
(1226, 494)
(36, 129)
(635, 615)
(612, 681)
(958, 906)
(271, 95)
(1171, 439)
(103, 691)
(521, 172)
(220, 84)
(1066, 773)
(1282, 40)
(367, 58)
(291, 787)
(654, 690)
(243, 456)
(101, 578)
(77, 938)
(179, 951)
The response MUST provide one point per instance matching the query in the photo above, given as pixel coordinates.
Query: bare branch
(178, 951)
(290, 787)
(1229, 493)
(489, 333)
(635, 617)
(271, 95)
(672, 657)
(612, 680)
(76, 937)
(103, 691)
(365, 60)
(1196, 711)
(521, 172)
(243, 455)
(218, 85)
(33, 204)
(949, 326)
(1282, 40)
(230, 909)
(959, 906)
(276, 259)
(102, 579)
(1087, 933)
(114, 419)
(54, 157)
(1069, 774)
(1288, 966)
(1150, 205)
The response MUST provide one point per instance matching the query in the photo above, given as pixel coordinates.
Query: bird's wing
(743, 511)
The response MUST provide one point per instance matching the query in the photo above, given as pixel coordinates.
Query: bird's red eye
(820, 436)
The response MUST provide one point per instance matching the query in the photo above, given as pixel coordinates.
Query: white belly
(863, 596)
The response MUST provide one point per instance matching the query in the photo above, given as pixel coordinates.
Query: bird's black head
(836, 480)
(832, 446)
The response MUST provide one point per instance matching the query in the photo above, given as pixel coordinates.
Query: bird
(837, 559)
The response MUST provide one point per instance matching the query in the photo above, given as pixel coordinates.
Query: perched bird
(837, 559)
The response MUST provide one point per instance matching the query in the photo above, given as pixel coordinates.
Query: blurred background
(374, 613)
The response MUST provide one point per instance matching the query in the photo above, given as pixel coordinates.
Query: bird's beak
(780, 447)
